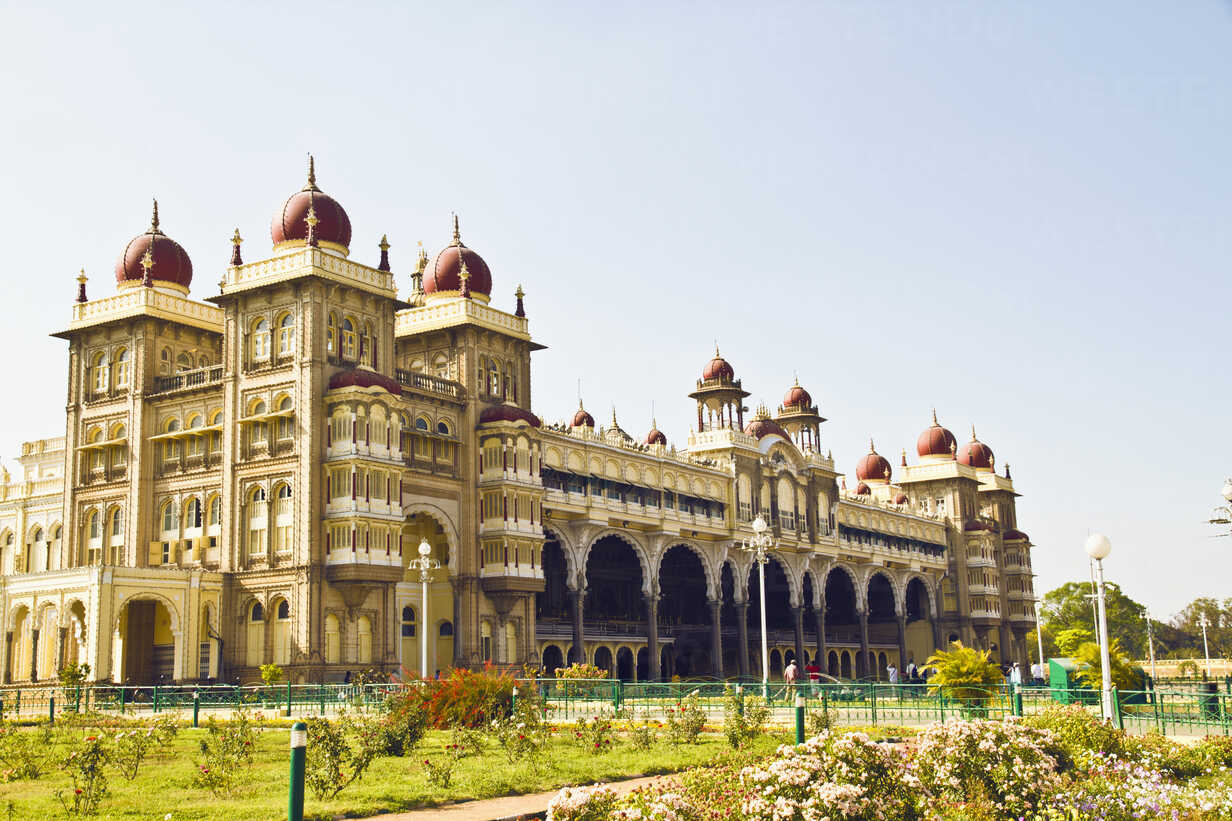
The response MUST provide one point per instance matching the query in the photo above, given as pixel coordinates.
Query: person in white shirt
(892, 673)
(1037, 674)
(1015, 674)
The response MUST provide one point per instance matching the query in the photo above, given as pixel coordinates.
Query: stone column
(797, 617)
(862, 667)
(716, 638)
(822, 661)
(902, 645)
(8, 657)
(1005, 650)
(652, 636)
(34, 637)
(60, 650)
(742, 632)
(576, 600)
(937, 643)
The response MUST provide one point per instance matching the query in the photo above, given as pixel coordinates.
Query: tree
(1069, 607)
(964, 673)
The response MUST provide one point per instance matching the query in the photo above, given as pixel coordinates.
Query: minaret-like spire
(154, 220)
(312, 175)
(973, 439)
(904, 457)
(520, 310)
(457, 232)
(81, 297)
(421, 265)
(236, 239)
(614, 424)
(935, 422)
(871, 449)
(312, 221)
(1007, 470)
(383, 265)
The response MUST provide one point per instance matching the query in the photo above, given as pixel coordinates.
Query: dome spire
(154, 220)
(383, 265)
(935, 422)
(312, 175)
(457, 232)
(871, 449)
(81, 297)
(973, 439)
(520, 310)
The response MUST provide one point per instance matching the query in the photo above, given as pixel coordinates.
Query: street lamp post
(425, 564)
(1039, 634)
(1206, 649)
(1098, 547)
(1150, 644)
(760, 545)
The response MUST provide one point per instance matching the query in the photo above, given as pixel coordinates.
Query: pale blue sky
(1014, 211)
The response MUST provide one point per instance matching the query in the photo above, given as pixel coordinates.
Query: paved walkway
(500, 809)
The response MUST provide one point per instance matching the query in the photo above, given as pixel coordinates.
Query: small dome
(718, 368)
(762, 426)
(936, 441)
(1012, 535)
(863, 490)
(655, 437)
(362, 378)
(582, 419)
(873, 467)
(797, 397)
(444, 275)
(508, 412)
(290, 223)
(169, 263)
(976, 454)
(900, 499)
(976, 526)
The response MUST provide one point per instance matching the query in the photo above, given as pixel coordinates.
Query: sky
(1014, 212)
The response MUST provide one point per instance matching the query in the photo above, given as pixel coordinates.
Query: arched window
(92, 526)
(256, 635)
(258, 521)
(192, 513)
(446, 629)
(331, 334)
(117, 526)
(203, 361)
(121, 368)
(364, 630)
(194, 442)
(168, 518)
(164, 362)
(285, 423)
(333, 640)
(215, 510)
(258, 612)
(485, 641)
(261, 339)
(215, 440)
(408, 622)
(171, 450)
(260, 431)
(282, 633)
(286, 335)
(348, 339)
(442, 427)
(494, 380)
(421, 423)
(100, 372)
(183, 362)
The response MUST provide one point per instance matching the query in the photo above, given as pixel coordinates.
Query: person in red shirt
(814, 673)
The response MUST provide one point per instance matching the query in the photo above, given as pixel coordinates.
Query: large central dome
(289, 227)
(444, 276)
(168, 263)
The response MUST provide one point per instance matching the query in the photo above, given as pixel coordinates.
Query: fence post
(1116, 709)
(1016, 704)
(196, 707)
(513, 701)
(825, 706)
(288, 699)
(123, 696)
(799, 718)
(321, 692)
(156, 698)
(51, 710)
(299, 750)
(740, 700)
(619, 694)
(872, 689)
(17, 706)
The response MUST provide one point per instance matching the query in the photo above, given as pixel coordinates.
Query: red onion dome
(290, 223)
(362, 378)
(976, 454)
(863, 490)
(936, 441)
(655, 437)
(797, 397)
(873, 467)
(1013, 535)
(975, 526)
(762, 425)
(718, 368)
(508, 412)
(900, 499)
(168, 262)
(582, 419)
(444, 275)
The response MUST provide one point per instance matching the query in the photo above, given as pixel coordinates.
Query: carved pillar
(60, 650)
(742, 631)
(902, 643)
(862, 666)
(822, 662)
(8, 657)
(652, 636)
(576, 600)
(1004, 649)
(716, 638)
(797, 617)
(937, 634)
(34, 637)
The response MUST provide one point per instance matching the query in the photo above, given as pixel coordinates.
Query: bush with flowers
(86, 768)
(524, 734)
(661, 801)
(1076, 733)
(833, 775)
(744, 717)
(226, 750)
(596, 735)
(23, 755)
(581, 680)
(466, 698)
(686, 720)
(595, 803)
(1001, 766)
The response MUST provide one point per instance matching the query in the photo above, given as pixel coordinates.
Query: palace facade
(244, 479)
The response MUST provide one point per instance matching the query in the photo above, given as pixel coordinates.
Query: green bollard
(155, 703)
(288, 699)
(616, 694)
(799, 719)
(299, 752)
(123, 696)
(872, 697)
(1116, 709)
(196, 708)
(51, 710)
(1016, 704)
(513, 701)
(740, 699)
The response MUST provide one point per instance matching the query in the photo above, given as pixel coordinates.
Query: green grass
(164, 784)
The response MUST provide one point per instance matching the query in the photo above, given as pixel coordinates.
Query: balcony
(429, 384)
(188, 380)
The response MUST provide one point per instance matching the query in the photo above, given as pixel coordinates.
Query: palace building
(243, 479)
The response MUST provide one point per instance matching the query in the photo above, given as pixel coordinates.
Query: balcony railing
(188, 380)
(428, 383)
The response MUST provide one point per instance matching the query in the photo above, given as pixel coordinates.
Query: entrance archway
(553, 659)
(683, 612)
(614, 600)
(624, 664)
(842, 620)
(780, 626)
(419, 526)
(920, 636)
(147, 642)
(882, 624)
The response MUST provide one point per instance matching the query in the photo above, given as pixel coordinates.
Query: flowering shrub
(830, 776)
(131, 748)
(596, 734)
(85, 766)
(339, 752)
(744, 717)
(576, 680)
(1076, 733)
(226, 749)
(686, 720)
(642, 736)
(523, 735)
(401, 726)
(658, 802)
(440, 772)
(464, 697)
(466, 741)
(1002, 765)
(23, 755)
(582, 804)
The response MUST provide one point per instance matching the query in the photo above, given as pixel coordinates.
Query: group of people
(913, 674)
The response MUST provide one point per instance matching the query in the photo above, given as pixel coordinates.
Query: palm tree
(964, 674)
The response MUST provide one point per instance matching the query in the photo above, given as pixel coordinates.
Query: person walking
(790, 675)
(1015, 674)
(1037, 675)
(892, 673)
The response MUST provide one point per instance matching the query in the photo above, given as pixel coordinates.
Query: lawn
(163, 786)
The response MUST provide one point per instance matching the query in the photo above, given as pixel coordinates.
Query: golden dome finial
(154, 219)
(384, 243)
(871, 449)
(795, 378)
(716, 349)
(312, 172)
(457, 231)
(147, 263)
(935, 422)
(236, 239)
(973, 439)
(421, 264)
